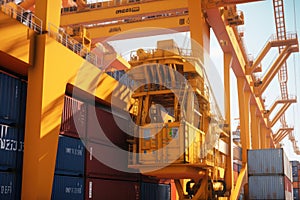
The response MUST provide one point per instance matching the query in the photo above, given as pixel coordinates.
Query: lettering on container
(7, 144)
(90, 189)
(73, 151)
(126, 10)
(74, 190)
(6, 189)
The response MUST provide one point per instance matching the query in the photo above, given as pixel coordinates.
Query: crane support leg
(45, 96)
(244, 101)
(199, 29)
(254, 128)
(229, 167)
(263, 134)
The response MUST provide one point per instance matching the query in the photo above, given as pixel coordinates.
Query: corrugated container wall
(152, 191)
(102, 118)
(8, 147)
(10, 99)
(70, 156)
(116, 158)
(67, 187)
(111, 189)
(10, 186)
(269, 161)
(269, 187)
(73, 118)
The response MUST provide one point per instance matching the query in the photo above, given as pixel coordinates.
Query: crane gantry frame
(255, 129)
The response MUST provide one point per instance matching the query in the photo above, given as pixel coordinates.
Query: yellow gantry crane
(37, 53)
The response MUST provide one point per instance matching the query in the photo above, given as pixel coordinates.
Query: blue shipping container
(20, 152)
(296, 193)
(10, 188)
(295, 171)
(70, 156)
(153, 191)
(10, 99)
(294, 163)
(11, 145)
(23, 105)
(67, 187)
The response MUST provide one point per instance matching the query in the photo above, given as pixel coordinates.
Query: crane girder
(120, 12)
(139, 28)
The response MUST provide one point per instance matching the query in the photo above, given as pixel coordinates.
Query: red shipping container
(111, 189)
(73, 118)
(295, 184)
(102, 118)
(113, 157)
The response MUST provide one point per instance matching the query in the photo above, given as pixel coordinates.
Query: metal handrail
(25, 17)
(62, 37)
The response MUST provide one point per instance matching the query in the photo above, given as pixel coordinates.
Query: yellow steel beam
(281, 101)
(291, 40)
(229, 42)
(202, 192)
(260, 57)
(199, 28)
(179, 189)
(244, 101)
(229, 167)
(280, 137)
(49, 12)
(122, 11)
(139, 28)
(255, 138)
(14, 44)
(279, 131)
(239, 183)
(43, 114)
(279, 114)
(273, 70)
(263, 134)
(43, 117)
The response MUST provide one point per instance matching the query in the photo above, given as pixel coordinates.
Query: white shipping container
(270, 187)
(269, 162)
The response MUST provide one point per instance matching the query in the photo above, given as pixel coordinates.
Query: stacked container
(296, 178)
(68, 180)
(12, 122)
(269, 174)
(104, 180)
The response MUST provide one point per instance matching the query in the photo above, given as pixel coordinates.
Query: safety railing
(289, 36)
(25, 17)
(62, 37)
